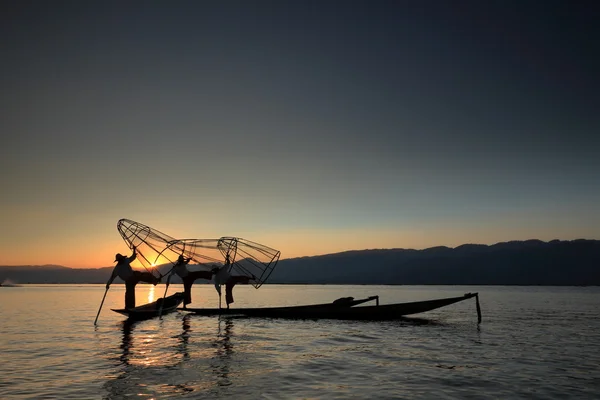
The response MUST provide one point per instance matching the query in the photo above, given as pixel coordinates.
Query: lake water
(534, 342)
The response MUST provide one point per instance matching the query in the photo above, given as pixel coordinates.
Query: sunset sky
(309, 126)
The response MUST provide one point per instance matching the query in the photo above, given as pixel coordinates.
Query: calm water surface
(534, 342)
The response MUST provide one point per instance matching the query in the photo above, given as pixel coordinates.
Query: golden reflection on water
(144, 352)
(151, 294)
(203, 355)
(141, 351)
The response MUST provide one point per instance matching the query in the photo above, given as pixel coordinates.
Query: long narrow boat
(343, 309)
(344, 302)
(151, 310)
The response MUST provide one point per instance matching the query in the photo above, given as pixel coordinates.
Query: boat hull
(339, 303)
(340, 311)
(151, 310)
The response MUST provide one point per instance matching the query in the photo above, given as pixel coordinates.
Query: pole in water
(478, 308)
(163, 298)
(101, 303)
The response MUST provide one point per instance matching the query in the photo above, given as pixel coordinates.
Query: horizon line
(342, 252)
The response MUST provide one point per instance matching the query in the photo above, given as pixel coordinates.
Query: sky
(309, 126)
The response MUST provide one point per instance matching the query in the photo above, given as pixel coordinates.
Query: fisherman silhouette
(131, 277)
(221, 276)
(188, 277)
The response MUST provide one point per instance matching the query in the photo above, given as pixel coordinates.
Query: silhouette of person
(131, 277)
(221, 276)
(188, 277)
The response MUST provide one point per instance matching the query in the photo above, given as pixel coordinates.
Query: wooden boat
(339, 303)
(343, 309)
(8, 284)
(151, 310)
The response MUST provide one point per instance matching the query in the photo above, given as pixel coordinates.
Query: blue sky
(312, 127)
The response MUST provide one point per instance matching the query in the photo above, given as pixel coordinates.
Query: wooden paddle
(163, 298)
(106, 291)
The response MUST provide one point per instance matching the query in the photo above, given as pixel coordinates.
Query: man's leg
(219, 291)
(231, 282)
(130, 293)
(242, 279)
(189, 280)
(229, 292)
(187, 291)
(146, 277)
(200, 275)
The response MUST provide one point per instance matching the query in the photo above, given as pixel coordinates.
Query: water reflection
(172, 363)
(184, 338)
(224, 350)
(151, 293)
(126, 342)
(146, 361)
(129, 381)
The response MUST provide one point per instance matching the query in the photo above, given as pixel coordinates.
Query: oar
(478, 308)
(101, 303)
(164, 295)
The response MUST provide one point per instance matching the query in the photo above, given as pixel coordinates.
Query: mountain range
(530, 262)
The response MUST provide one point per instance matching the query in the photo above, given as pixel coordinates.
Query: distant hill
(53, 274)
(59, 274)
(530, 262)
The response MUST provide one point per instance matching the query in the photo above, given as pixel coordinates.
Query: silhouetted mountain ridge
(529, 262)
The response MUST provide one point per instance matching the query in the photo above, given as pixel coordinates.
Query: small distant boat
(9, 284)
(151, 310)
(343, 309)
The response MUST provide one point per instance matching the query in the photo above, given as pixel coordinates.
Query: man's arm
(133, 255)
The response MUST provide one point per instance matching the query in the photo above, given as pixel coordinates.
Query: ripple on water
(532, 344)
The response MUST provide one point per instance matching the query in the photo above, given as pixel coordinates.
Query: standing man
(131, 278)
(221, 276)
(188, 277)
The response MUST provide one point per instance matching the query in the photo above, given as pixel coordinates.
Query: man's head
(180, 259)
(119, 257)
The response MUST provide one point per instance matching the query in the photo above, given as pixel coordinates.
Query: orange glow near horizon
(100, 252)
